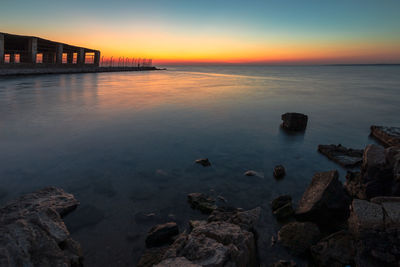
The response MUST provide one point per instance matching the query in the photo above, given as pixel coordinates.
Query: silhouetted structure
(30, 50)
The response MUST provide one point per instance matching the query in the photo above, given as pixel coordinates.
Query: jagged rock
(152, 256)
(284, 263)
(324, 198)
(336, 250)
(32, 232)
(245, 219)
(279, 171)
(379, 248)
(390, 136)
(298, 237)
(250, 173)
(161, 234)
(365, 216)
(354, 185)
(346, 157)
(218, 242)
(280, 202)
(204, 162)
(202, 202)
(175, 262)
(373, 157)
(294, 121)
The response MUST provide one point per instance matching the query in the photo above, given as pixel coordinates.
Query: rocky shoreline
(352, 224)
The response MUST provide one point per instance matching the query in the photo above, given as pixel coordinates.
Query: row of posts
(125, 62)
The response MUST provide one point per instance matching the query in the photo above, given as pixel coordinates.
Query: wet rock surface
(294, 121)
(298, 237)
(346, 157)
(324, 198)
(32, 232)
(161, 234)
(202, 202)
(389, 136)
(279, 171)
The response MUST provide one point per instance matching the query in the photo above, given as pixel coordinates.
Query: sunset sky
(213, 31)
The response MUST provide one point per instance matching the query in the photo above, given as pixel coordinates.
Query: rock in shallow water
(32, 232)
(161, 234)
(202, 202)
(204, 162)
(279, 171)
(346, 157)
(294, 121)
(282, 207)
(390, 136)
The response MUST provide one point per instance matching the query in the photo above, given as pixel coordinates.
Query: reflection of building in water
(30, 50)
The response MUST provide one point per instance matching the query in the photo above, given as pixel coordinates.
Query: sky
(215, 31)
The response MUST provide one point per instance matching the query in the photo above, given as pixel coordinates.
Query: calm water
(124, 143)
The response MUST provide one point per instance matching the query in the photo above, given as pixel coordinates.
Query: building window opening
(17, 58)
(74, 58)
(64, 58)
(7, 58)
(89, 58)
(39, 58)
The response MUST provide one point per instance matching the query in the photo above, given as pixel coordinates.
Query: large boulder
(335, 250)
(32, 232)
(324, 198)
(298, 237)
(354, 185)
(294, 121)
(346, 157)
(161, 234)
(365, 216)
(389, 136)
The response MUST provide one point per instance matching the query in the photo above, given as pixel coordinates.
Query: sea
(125, 143)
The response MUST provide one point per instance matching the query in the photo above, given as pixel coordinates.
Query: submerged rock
(250, 173)
(32, 232)
(294, 121)
(298, 237)
(279, 171)
(161, 234)
(282, 207)
(280, 202)
(324, 198)
(202, 202)
(337, 249)
(205, 162)
(346, 157)
(390, 136)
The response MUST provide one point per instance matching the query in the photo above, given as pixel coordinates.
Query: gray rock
(298, 237)
(373, 158)
(365, 216)
(204, 162)
(346, 157)
(279, 171)
(336, 250)
(354, 185)
(391, 213)
(247, 220)
(32, 232)
(294, 121)
(202, 202)
(175, 262)
(323, 198)
(161, 234)
(390, 136)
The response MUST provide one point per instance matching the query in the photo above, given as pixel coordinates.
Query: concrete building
(18, 51)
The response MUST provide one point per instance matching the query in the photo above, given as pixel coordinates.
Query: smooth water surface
(125, 143)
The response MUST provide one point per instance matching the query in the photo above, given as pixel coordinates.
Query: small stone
(298, 237)
(294, 121)
(205, 162)
(279, 171)
(250, 173)
(161, 234)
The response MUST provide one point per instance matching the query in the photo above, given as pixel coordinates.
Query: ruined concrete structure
(18, 51)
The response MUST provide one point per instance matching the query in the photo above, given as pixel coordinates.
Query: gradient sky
(171, 31)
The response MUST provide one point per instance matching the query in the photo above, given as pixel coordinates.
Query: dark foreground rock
(284, 263)
(354, 185)
(346, 157)
(161, 234)
(202, 202)
(324, 198)
(226, 239)
(389, 136)
(298, 237)
(294, 121)
(282, 207)
(204, 162)
(32, 232)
